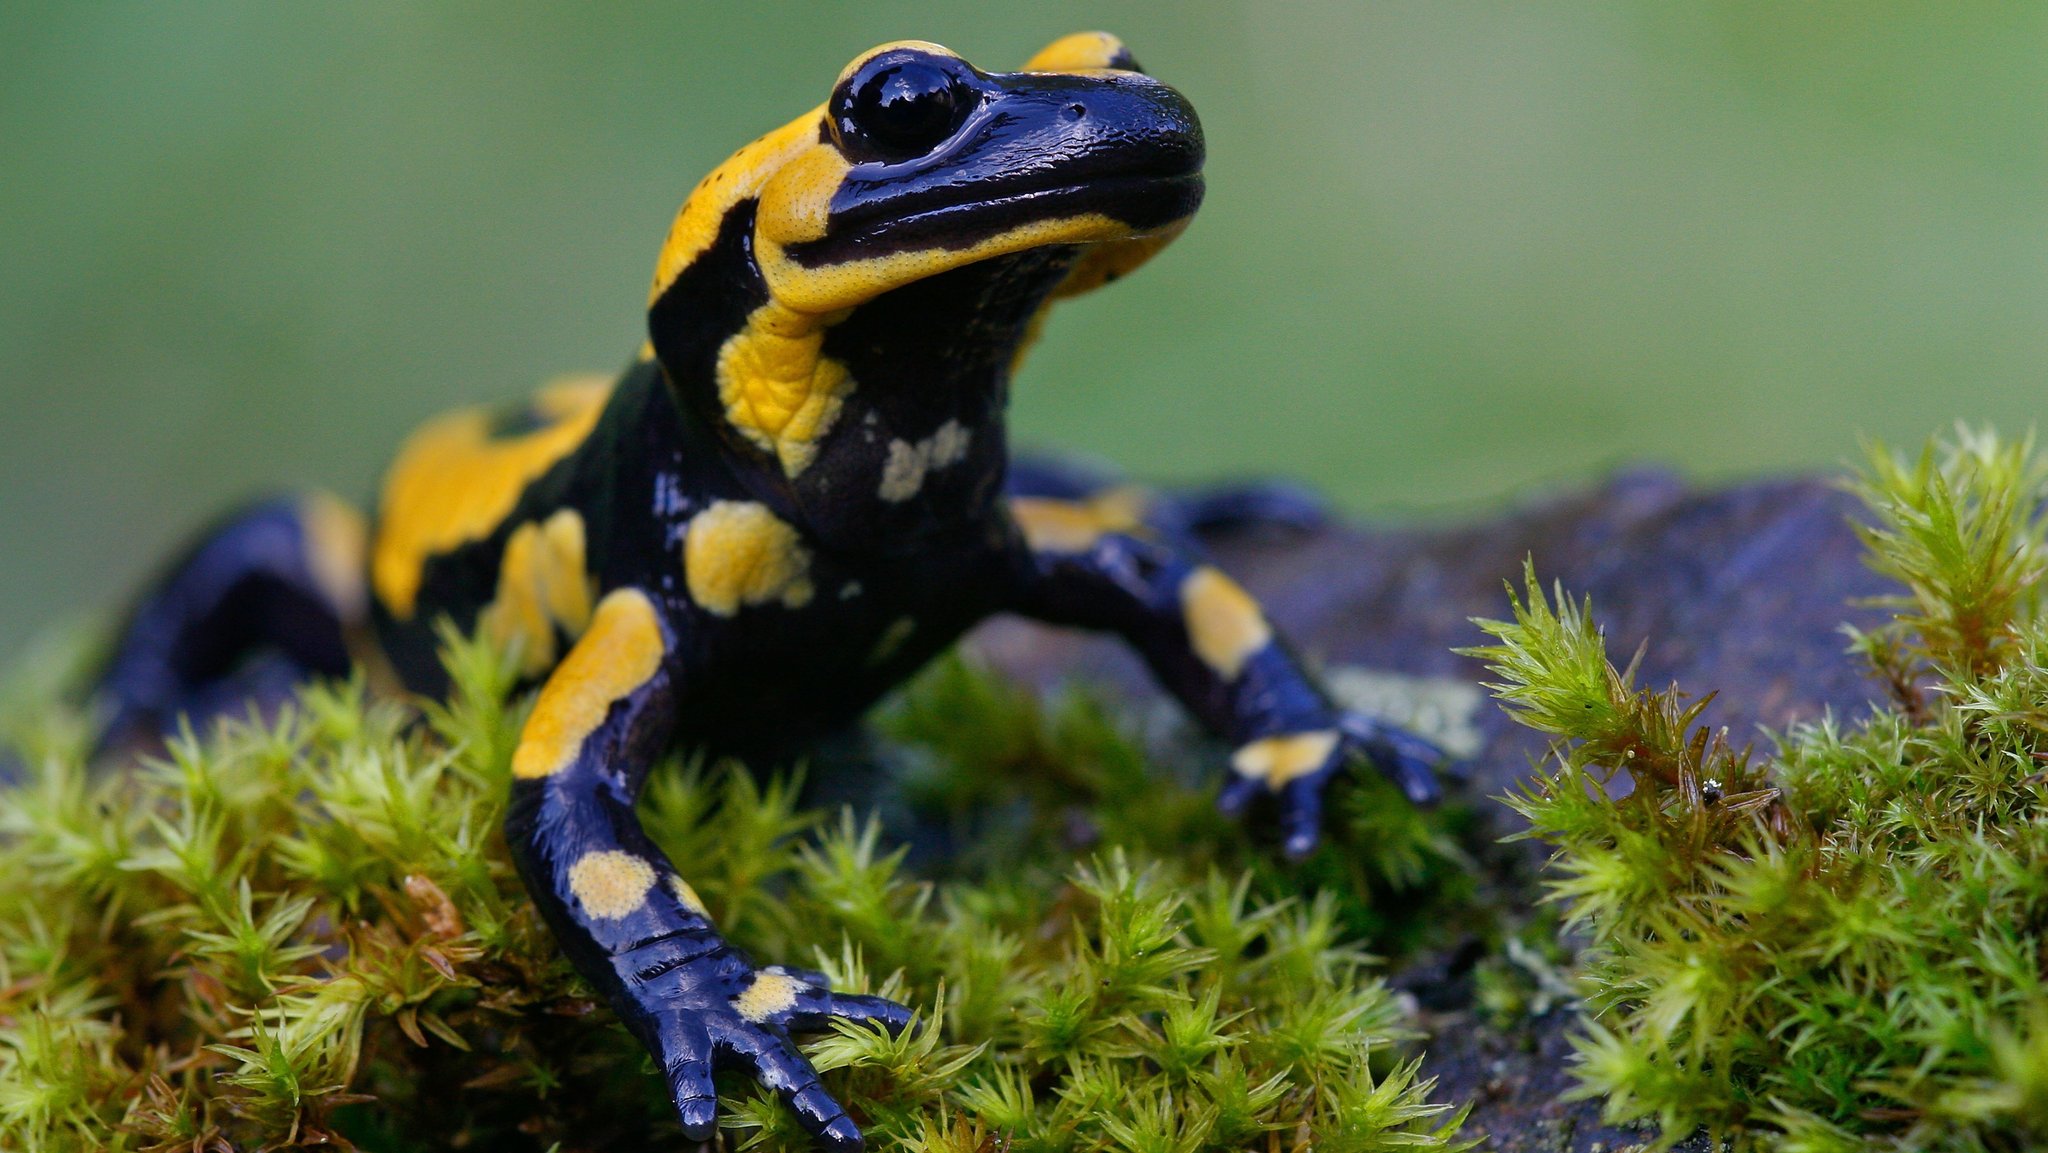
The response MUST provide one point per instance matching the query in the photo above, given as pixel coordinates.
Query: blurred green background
(1452, 252)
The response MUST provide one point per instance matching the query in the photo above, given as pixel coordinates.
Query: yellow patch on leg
(687, 896)
(1278, 760)
(1071, 526)
(610, 884)
(736, 553)
(770, 993)
(621, 652)
(778, 388)
(1224, 623)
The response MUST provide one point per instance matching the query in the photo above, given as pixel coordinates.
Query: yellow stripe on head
(621, 652)
(851, 283)
(1082, 52)
(739, 178)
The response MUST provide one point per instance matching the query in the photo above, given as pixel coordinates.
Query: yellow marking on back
(1076, 52)
(337, 547)
(778, 388)
(1278, 760)
(454, 483)
(610, 884)
(1224, 623)
(769, 994)
(543, 586)
(622, 651)
(1067, 526)
(736, 553)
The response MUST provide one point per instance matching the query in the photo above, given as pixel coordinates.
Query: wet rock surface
(1740, 591)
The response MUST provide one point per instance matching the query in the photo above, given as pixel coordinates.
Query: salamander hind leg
(620, 911)
(264, 600)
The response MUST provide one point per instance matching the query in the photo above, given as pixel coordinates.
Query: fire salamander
(796, 495)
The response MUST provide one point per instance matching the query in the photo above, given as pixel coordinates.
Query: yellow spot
(687, 896)
(454, 483)
(778, 388)
(1223, 621)
(337, 545)
(622, 651)
(1067, 526)
(738, 553)
(609, 884)
(769, 994)
(1079, 52)
(543, 586)
(904, 471)
(892, 639)
(1278, 760)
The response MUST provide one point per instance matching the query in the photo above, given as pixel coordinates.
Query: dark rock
(1740, 591)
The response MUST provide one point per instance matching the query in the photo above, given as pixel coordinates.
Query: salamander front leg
(1210, 645)
(625, 918)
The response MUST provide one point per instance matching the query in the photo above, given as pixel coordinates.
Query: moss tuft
(306, 930)
(1838, 945)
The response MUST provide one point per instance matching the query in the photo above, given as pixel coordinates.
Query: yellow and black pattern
(796, 494)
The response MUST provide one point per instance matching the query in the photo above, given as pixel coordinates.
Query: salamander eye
(898, 108)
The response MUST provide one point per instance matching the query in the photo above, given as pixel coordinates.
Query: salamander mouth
(956, 220)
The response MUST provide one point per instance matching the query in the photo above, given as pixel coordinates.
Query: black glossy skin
(761, 681)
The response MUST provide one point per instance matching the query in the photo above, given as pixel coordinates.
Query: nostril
(1077, 111)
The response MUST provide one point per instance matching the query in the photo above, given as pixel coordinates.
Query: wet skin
(796, 495)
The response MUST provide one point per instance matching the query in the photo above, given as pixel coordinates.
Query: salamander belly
(779, 681)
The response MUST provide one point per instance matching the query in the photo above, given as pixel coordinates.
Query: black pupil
(906, 109)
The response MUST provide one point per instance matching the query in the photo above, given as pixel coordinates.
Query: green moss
(309, 931)
(1837, 945)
